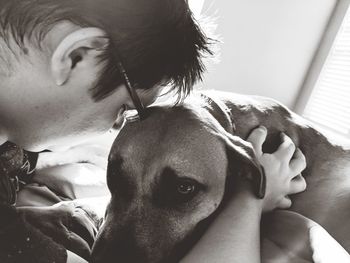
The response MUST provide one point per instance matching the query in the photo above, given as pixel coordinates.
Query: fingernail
(263, 128)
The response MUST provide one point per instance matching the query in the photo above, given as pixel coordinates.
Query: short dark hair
(159, 41)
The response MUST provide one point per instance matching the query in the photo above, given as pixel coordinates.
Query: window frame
(321, 55)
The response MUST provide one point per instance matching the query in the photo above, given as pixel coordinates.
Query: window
(329, 104)
(196, 6)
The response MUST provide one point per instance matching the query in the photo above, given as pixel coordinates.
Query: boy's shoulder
(16, 167)
(15, 159)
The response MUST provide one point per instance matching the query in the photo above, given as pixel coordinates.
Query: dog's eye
(186, 188)
(175, 191)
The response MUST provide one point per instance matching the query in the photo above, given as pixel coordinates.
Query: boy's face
(38, 114)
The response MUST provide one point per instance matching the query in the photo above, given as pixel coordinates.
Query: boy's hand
(65, 223)
(282, 168)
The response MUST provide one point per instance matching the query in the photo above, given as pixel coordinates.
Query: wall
(268, 45)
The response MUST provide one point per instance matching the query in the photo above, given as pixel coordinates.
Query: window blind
(329, 103)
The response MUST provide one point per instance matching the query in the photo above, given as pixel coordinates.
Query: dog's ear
(244, 165)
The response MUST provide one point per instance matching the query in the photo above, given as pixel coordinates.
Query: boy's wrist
(248, 198)
(248, 201)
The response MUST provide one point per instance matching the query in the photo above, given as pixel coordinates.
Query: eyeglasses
(140, 108)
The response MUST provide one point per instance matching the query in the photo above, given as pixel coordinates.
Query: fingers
(257, 138)
(282, 168)
(60, 222)
(298, 163)
(79, 222)
(297, 185)
(77, 231)
(287, 148)
(83, 226)
(76, 244)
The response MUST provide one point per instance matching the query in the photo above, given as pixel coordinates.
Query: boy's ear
(242, 162)
(82, 45)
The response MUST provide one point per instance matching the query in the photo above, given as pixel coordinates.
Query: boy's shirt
(16, 169)
(21, 241)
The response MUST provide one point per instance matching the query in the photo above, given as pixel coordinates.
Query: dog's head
(168, 175)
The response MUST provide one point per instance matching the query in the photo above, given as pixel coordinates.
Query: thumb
(257, 138)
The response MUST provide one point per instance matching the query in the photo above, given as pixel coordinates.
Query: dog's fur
(201, 143)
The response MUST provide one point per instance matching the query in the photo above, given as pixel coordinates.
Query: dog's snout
(122, 243)
(121, 249)
(120, 255)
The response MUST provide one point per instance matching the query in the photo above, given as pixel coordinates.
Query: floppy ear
(243, 163)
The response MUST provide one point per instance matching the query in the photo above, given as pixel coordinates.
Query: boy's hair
(158, 41)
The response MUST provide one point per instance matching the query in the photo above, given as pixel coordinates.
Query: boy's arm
(235, 234)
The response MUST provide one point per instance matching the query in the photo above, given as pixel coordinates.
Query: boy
(60, 83)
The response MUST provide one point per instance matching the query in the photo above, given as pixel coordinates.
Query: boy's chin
(58, 148)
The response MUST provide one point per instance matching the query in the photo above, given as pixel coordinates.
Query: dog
(170, 174)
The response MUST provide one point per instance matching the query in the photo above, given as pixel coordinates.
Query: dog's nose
(121, 248)
(119, 253)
